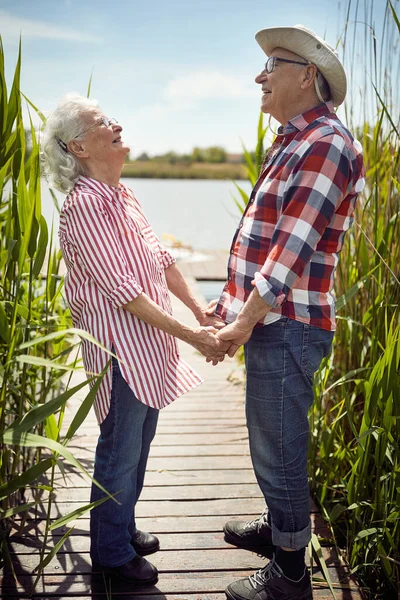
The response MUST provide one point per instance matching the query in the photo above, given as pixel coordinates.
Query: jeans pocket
(319, 345)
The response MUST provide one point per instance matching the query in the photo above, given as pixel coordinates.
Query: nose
(261, 77)
(116, 127)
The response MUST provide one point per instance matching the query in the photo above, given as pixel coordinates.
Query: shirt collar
(108, 191)
(300, 122)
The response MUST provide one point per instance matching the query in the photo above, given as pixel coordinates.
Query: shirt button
(229, 277)
(241, 225)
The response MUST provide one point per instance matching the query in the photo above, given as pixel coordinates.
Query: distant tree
(216, 154)
(213, 154)
(198, 155)
(143, 156)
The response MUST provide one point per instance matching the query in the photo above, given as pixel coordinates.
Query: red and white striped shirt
(112, 256)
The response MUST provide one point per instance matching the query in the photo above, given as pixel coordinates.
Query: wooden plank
(189, 463)
(171, 541)
(176, 478)
(171, 508)
(190, 561)
(171, 439)
(165, 525)
(177, 493)
(239, 449)
(169, 582)
(180, 428)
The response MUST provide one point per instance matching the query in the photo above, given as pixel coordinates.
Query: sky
(176, 74)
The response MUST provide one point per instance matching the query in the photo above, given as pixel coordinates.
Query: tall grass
(37, 344)
(354, 457)
(355, 423)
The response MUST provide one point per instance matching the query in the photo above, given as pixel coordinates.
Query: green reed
(37, 344)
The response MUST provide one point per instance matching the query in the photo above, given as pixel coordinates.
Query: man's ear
(77, 149)
(309, 76)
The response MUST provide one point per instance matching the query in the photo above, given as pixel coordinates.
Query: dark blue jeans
(120, 464)
(281, 359)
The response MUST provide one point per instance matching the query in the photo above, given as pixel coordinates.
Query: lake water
(198, 213)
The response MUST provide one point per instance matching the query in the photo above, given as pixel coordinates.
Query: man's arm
(239, 332)
(179, 287)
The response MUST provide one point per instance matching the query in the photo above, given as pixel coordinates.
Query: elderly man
(278, 299)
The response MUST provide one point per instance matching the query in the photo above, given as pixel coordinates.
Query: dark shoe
(270, 583)
(138, 570)
(249, 534)
(145, 543)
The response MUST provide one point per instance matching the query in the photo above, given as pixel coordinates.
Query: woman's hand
(206, 342)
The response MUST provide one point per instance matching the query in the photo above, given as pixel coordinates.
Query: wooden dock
(199, 475)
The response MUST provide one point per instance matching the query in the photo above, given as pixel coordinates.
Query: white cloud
(11, 27)
(203, 85)
(186, 92)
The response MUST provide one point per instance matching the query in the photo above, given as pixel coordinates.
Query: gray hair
(322, 86)
(66, 123)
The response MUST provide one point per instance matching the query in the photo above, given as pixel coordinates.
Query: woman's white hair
(67, 122)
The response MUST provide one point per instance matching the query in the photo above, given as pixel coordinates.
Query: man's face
(281, 87)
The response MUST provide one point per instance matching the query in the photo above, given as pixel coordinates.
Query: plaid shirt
(292, 230)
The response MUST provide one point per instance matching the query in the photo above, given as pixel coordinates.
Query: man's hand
(237, 334)
(204, 340)
(210, 310)
(206, 319)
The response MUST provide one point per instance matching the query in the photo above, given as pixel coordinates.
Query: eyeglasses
(102, 121)
(271, 63)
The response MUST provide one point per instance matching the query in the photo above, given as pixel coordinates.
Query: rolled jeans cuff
(291, 539)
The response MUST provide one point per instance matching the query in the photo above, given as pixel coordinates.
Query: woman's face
(103, 143)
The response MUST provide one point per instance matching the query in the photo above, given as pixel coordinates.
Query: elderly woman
(117, 282)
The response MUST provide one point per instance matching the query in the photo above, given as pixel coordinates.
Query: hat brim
(308, 46)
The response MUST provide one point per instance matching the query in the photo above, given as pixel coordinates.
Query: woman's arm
(179, 287)
(200, 338)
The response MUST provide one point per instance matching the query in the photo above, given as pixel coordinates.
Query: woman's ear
(76, 147)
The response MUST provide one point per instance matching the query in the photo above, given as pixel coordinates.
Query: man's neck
(298, 109)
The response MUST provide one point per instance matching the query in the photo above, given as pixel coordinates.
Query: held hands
(206, 342)
(236, 334)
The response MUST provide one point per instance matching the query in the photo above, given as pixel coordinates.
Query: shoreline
(153, 169)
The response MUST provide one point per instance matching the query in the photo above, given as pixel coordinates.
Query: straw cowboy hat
(307, 44)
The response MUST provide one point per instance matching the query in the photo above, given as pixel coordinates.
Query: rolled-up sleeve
(313, 192)
(99, 250)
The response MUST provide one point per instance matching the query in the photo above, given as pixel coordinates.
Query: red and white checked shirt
(293, 227)
(112, 256)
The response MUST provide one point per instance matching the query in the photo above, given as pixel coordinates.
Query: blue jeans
(120, 464)
(281, 359)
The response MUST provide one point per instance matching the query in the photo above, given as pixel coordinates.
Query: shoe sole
(236, 541)
(98, 570)
(304, 596)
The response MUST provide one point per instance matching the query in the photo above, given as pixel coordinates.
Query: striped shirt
(112, 256)
(292, 229)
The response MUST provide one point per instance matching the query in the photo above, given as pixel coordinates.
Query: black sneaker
(249, 534)
(270, 583)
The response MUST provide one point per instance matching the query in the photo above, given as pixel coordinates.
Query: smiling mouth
(117, 140)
